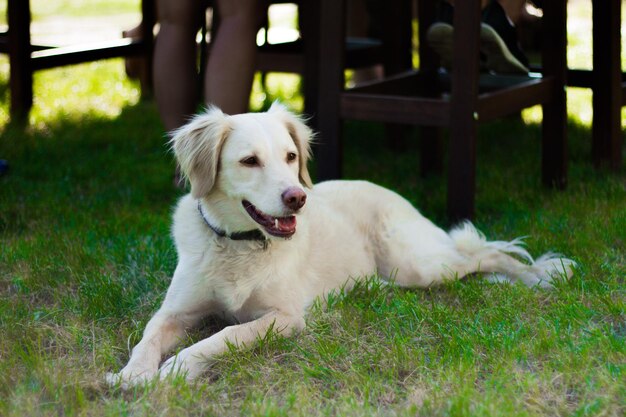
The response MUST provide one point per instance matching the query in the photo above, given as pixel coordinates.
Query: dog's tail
(500, 260)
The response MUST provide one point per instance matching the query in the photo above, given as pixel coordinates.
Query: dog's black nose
(294, 198)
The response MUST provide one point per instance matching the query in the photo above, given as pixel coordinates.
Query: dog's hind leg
(421, 255)
(496, 257)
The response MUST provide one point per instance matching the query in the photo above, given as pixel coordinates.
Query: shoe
(440, 38)
(498, 41)
(4, 167)
(440, 34)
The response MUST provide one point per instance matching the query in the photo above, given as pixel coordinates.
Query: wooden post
(397, 35)
(21, 70)
(554, 126)
(464, 110)
(331, 37)
(431, 138)
(148, 19)
(607, 84)
(309, 20)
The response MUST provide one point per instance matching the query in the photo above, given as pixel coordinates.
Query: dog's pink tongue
(287, 224)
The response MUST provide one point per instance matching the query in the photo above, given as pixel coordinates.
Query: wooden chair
(608, 84)
(26, 58)
(416, 97)
(607, 81)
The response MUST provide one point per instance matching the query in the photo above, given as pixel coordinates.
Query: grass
(86, 256)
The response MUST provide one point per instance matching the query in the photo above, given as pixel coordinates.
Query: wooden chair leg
(463, 112)
(397, 37)
(148, 20)
(21, 71)
(308, 19)
(330, 86)
(431, 138)
(397, 58)
(554, 126)
(607, 84)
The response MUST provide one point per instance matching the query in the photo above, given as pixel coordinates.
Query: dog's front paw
(127, 378)
(183, 364)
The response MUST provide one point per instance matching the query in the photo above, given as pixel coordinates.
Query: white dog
(257, 243)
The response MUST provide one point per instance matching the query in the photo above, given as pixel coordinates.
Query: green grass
(86, 256)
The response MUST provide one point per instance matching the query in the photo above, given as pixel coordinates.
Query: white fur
(346, 230)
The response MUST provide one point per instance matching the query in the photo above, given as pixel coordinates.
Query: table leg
(607, 84)
(21, 72)
(464, 108)
(554, 125)
(331, 35)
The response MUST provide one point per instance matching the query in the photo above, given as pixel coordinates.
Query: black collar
(254, 234)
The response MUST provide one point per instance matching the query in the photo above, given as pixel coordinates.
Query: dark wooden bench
(26, 58)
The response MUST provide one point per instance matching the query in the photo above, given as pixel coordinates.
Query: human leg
(483, 3)
(175, 73)
(230, 68)
(514, 9)
(498, 36)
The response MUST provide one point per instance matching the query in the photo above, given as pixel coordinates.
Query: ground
(85, 258)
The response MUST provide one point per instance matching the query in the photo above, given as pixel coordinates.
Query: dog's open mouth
(275, 226)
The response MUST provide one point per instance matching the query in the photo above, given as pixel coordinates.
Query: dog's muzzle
(283, 227)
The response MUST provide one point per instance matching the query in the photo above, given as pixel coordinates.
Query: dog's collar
(254, 234)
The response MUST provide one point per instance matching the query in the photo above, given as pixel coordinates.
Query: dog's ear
(197, 146)
(302, 136)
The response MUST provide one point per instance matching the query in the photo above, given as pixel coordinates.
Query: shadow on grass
(85, 211)
(508, 177)
(91, 162)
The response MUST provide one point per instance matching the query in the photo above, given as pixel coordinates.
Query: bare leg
(230, 69)
(175, 73)
(483, 3)
(514, 9)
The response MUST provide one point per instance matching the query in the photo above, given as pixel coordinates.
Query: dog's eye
(291, 156)
(250, 161)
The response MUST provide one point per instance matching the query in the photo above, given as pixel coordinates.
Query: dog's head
(256, 160)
